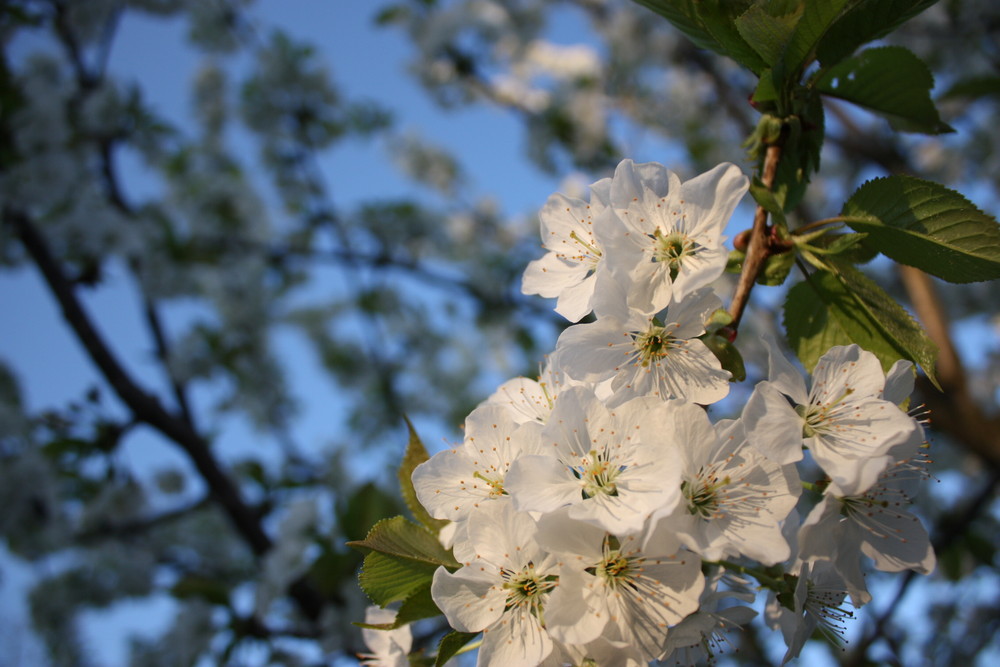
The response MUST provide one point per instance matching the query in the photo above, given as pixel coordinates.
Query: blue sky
(366, 63)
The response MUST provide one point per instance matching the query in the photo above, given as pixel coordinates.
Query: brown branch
(759, 245)
(147, 408)
(954, 409)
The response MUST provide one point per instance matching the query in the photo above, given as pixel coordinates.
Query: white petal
(542, 484)
(470, 602)
(772, 425)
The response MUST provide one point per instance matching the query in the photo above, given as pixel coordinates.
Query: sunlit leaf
(928, 226)
(415, 454)
(451, 644)
(848, 307)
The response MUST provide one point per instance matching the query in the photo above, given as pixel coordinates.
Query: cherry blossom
(457, 481)
(734, 500)
(843, 419)
(669, 238)
(645, 355)
(611, 467)
(389, 648)
(630, 596)
(569, 270)
(503, 591)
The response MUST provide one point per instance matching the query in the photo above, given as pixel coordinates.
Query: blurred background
(241, 240)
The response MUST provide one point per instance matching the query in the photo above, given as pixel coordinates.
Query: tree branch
(953, 410)
(759, 245)
(147, 408)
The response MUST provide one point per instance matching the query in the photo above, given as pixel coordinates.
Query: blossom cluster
(602, 517)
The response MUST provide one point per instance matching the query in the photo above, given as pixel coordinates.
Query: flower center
(527, 588)
(818, 418)
(702, 494)
(826, 605)
(615, 568)
(598, 474)
(653, 344)
(495, 484)
(672, 248)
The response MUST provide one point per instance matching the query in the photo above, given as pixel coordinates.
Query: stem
(759, 246)
(825, 221)
(762, 577)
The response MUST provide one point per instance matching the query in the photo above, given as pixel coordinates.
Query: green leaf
(864, 22)
(711, 24)
(402, 538)
(768, 27)
(417, 606)
(890, 81)
(848, 307)
(818, 17)
(926, 225)
(416, 454)
(387, 579)
(809, 328)
(451, 644)
(403, 558)
(801, 154)
(363, 509)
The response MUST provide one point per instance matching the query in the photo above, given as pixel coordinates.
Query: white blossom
(389, 648)
(734, 500)
(645, 355)
(703, 634)
(630, 595)
(568, 271)
(460, 480)
(504, 591)
(843, 419)
(875, 523)
(612, 468)
(668, 242)
(818, 604)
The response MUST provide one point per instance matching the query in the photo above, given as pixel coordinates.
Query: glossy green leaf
(809, 327)
(401, 538)
(451, 644)
(864, 22)
(816, 21)
(890, 81)
(849, 305)
(416, 606)
(926, 225)
(386, 579)
(768, 27)
(415, 454)
(711, 24)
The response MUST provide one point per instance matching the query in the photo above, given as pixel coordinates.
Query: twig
(759, 245)
(954, 409)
